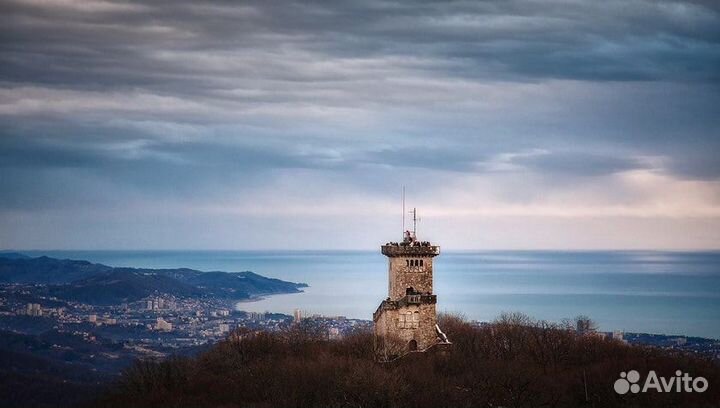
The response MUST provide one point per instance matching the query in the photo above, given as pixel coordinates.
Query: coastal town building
(163, 325)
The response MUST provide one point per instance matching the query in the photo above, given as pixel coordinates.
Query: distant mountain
(13, 255)
(47, 270)
(232, 285)
(100, 284)
(122, 285)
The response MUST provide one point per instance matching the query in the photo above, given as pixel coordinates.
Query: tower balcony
(416, 300)
(416, 249)
(406, 300)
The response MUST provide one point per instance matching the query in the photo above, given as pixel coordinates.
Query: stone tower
(406, 320)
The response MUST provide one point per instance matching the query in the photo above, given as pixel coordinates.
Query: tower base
(404, 326)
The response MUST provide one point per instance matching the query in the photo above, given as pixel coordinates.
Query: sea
(673, 293)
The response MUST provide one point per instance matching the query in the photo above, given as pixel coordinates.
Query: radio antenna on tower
(414, 212)
(403, 211)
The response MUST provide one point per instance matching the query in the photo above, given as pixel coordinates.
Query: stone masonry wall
(412, 322)
(402, 276)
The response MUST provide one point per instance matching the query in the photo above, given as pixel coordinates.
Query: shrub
(512, 362)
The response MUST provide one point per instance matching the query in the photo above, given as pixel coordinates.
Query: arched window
(407, 262)
(412, 345)
(421, 262)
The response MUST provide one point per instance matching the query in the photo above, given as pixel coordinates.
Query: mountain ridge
(100, 284)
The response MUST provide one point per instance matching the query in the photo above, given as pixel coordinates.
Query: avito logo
(682, 382)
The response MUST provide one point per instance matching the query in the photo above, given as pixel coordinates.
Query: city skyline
(513, 125)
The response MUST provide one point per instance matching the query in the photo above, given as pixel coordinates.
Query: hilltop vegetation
(514, 362)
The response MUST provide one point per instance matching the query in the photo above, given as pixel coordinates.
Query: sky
(571, 124)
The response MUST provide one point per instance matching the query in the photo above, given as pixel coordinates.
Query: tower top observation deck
(410, 246)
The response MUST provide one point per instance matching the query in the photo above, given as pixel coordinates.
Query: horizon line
(364, 249)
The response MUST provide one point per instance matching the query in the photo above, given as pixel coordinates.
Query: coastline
(264, 296)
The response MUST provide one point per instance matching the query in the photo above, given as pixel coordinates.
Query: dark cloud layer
(136, 44)
(574, 163)
(171, 100)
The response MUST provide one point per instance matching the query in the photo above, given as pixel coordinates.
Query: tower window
(408, 320)
(414, 263)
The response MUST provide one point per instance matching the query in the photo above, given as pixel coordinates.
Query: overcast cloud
(280, 124)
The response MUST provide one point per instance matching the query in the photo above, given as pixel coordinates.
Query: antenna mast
(414, 222)
(403, 212)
